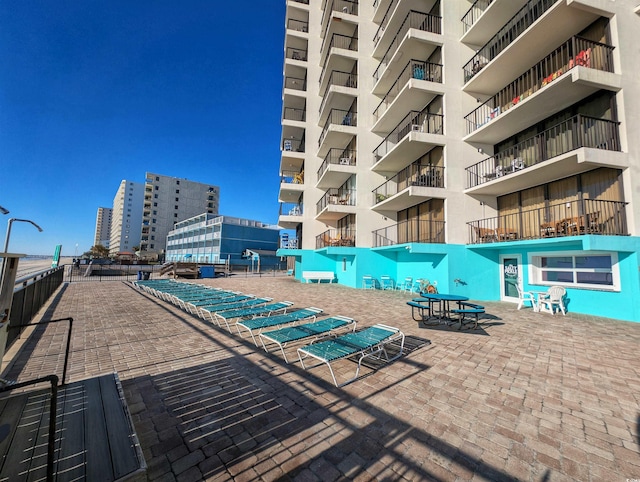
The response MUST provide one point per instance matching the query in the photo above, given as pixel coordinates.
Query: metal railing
(574, 133)
(344, 6)
(306, 2)
(292, 176)
(336, 237)
(336, 196)
(292, 144)
(296, 54)
(410, 231)
(291, 113)
(338, 41)
(295, 83)
(290, 209)
(576, 51)
(30, 294)
(413, 175)
(587, 216)
(297, 25)
(418, 20)
(521, 21)
(338, 117)
(474, 13)
(343, 157)
(109, 272)
(343, 79)
(415, 69)
(414, 121)
(385, 21)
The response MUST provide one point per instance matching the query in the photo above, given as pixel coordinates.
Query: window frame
(535, 269)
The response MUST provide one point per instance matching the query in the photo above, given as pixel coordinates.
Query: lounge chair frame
(255, 325)
(354, 345)
(308, 332)
(218, 317)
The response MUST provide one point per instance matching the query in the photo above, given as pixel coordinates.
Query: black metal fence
(31, 293)
(110, 272)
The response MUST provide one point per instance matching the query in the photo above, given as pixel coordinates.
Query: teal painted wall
(477, 268)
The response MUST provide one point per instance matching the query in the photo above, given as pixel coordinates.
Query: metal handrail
(338, 78)
(521, 21)
(586, 216)
(385, 20)
(577, 51)
(418, 20)
(339, 117)
(474, 13)
(336, 196)
(296, 54)
(336, 237)
(295, 83)
(345, 157)
(424, 175)
(573, 133)
(409, 231)
(415, 69)
(422, 121)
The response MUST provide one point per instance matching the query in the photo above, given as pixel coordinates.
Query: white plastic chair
(406, 285)
(524, 296)
(553, 298)
(367, 282)
(386, 283)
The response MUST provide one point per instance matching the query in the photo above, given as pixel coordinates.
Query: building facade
(102, 235)
(485, 145)
(209, 238)
(170, 200)
(126, 218)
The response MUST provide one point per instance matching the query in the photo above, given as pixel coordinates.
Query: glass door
(510, 276)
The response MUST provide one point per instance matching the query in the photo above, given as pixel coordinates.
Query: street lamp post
(11, 220)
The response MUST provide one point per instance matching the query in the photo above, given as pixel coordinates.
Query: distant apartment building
(170, 200)
(485, 145)
(126, 218)
(210, 238)
(102, 235)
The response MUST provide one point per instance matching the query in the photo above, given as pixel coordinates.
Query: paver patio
(527, 396)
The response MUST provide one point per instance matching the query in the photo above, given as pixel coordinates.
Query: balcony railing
(413, 175)
(521, 21)
(343, 79)
(415, 69)
(336, 237)
(414, 121)
(293, 145)
(295, 83)
(574, 133)
(337, 41)
(588, 216)
(344, 6)
(306, 2)
(418, 20)
(333, 196)
(340, 117)
(296, 54)
(292, 177)
(293, 114)
(290, 209)
(385, 21)
(298, 25)
(474, 13)
(342, 157)
(410, 231)
(576, 51)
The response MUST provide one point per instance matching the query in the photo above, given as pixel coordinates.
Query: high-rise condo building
(126, 218)
(102, 235)
(485, 145)
(169, 200)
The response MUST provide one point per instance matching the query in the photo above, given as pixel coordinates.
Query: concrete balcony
(340, 127)
(290, 215)
(338, 166)
(336, 204)
(413, 185)
(485, 17)
(340, 93)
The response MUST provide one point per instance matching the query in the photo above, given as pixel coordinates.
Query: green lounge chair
(204, 311)
(243, 313)
(255, 325)
(316, 330)
(367, 343)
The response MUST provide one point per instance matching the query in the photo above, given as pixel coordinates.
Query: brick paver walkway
(527, 397)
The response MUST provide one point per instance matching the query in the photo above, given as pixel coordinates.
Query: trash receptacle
(207, 272)
(139, 275)
(145, 275)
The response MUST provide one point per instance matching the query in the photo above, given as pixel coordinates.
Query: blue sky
(93, 92)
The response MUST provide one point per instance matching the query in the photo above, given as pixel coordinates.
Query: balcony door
(510, 276)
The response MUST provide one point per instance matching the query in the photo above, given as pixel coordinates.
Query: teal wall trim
(474, 270)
